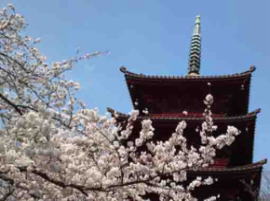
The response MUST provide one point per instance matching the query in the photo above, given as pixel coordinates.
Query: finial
(195, 49)
(197, 27)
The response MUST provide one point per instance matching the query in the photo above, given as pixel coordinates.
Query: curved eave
(131, 75)
(250, 116)
(228, 170)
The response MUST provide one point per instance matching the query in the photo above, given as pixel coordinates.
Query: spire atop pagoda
(195, 49)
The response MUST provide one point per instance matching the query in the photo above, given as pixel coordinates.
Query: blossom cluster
(53, 148)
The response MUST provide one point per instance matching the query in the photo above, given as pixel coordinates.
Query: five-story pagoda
(166, 97)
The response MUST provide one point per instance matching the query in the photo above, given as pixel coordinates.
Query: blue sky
(153, 37)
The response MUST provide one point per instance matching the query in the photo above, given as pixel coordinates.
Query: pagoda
(166, 97)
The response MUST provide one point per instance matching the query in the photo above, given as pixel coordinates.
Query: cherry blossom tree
(53, 148)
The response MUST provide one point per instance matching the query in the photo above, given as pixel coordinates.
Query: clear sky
(153, 37)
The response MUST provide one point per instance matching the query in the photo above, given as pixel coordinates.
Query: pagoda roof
(225, 170)
(190, 117)
(235, 76)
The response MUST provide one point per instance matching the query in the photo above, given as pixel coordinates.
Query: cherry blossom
(52, 147)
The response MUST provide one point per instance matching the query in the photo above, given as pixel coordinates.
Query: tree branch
(11, 104)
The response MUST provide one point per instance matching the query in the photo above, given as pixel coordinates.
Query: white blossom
(52, 147)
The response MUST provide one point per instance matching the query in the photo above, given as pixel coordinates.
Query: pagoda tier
(241, 183)
(228, 156)
(235, 183)
(174, 94)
